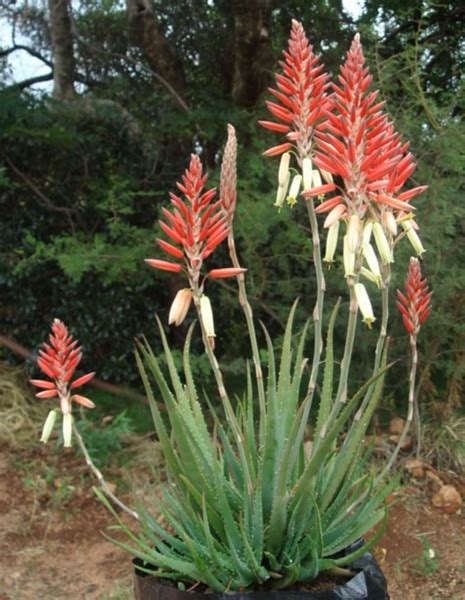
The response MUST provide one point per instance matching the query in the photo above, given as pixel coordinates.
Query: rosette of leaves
(256, 510)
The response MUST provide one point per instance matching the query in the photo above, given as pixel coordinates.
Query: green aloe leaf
(303, 486)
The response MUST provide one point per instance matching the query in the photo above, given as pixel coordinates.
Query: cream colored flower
(284, 168)
(382, 244)
(282, 192)
(180, 306)
(364, 304)
(294, 190)
(307, 174)
(349, 259)
(413, 237)
(372, 260)
(48, 426)
(207, 316)
(331, 242)
(67, 430)
(353, 232)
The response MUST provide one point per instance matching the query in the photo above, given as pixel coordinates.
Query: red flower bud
(224, 273)
(277, 150)
(415, 304)
(82, 380)
(163, 265)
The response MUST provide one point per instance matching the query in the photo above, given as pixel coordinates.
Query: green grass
(137, 412)
(428, 562)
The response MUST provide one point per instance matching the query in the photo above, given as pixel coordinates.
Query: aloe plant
(249, 500)
(273, 513)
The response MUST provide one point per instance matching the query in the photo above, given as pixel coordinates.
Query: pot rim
(368, 583)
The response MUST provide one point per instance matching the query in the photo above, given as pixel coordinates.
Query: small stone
(416, 467)
(447, 499)
(396, 426)
(408, 442)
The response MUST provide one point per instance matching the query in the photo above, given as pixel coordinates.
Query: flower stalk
(228, 195)
(320, 294)
(224, 398)
(101, 480)
(410, 412)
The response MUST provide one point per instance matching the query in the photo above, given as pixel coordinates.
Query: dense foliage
(81, 181)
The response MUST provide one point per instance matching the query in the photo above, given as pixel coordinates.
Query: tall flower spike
(415, 304)
(358, 143)
(59, 360)
(196, 224)
(301, 96)
(228, 178)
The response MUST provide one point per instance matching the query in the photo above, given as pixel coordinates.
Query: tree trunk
(252, 47)
(62, 47)
(149, 36)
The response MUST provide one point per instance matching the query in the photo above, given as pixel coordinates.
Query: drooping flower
(358, 143)
(300, 96)
(364, 304)
(180, 306)
(283, 172)
(48, 426)
(196, 224)
(206, 313)
(409, 226)
(372, 261)
(331, 243)
(382, 244)
(415, 303)
(294, 190)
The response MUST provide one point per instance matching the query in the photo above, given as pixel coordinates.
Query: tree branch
(437, 17)
(149, 70)
(29, 50)
(45, 200)
(22, 85)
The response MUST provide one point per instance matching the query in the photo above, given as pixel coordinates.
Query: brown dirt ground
(52, 547)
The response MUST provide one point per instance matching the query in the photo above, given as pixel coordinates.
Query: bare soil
(51, 539)
(52, 545)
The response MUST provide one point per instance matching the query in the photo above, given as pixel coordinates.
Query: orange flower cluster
(301, 95)
(358, 143)
(346, 134)
(197, 224)
(59, 360)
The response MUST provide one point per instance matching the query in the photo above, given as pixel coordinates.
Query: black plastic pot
(368, 584)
